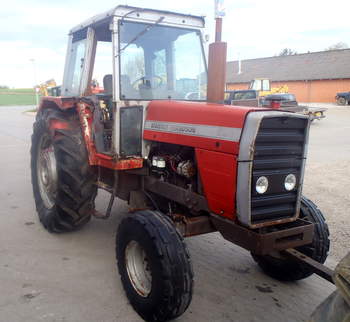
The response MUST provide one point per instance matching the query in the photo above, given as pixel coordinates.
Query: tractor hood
(208, 126)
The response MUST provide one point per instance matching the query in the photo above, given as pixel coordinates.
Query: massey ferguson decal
(205, 131)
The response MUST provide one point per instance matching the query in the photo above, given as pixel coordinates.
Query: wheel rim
(138, 268)
(47, 172)
(341, 101)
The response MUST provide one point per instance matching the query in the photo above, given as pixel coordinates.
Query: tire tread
(76, 190)
(175, 262)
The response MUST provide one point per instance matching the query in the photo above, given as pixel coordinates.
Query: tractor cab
(161, 62)
(127, 57)
(262, 85)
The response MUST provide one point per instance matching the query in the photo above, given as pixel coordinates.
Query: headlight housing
(261, 185)
(290, 182)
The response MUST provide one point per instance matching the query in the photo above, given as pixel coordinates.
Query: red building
(312, 77)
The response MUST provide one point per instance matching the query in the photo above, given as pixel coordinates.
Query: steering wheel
(192, 96)
(144, 78)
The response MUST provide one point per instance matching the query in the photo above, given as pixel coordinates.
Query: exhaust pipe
(217, 66)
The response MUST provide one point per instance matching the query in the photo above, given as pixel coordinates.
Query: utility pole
(239, 64)
(35, 81)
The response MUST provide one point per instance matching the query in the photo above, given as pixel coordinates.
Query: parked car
(343, 98)
(244, 97)
(285, 101)
(288, 102)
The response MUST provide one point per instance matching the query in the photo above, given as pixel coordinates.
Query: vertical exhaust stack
(217, 61)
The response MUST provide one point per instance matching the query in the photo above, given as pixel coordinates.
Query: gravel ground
(327, 185)
(326, 105)
(327, 179)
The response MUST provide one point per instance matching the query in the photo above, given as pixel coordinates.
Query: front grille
(279, 151)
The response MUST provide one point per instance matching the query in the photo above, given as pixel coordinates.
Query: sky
(37, 30)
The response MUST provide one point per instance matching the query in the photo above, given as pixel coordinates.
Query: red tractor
(185, 166)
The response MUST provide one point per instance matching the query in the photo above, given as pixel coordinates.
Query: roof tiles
(332, 64)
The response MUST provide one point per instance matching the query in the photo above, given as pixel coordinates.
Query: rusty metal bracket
(263, 242)
(183, 196)
(100, 215)
(318, 268)
(192, 226)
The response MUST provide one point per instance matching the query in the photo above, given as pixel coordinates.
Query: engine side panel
(218, 172)
(193, 141)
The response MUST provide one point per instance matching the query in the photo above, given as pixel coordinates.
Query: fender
(86, 118)
(63, 103)
(99, 159)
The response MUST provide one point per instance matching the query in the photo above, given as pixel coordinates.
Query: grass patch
(17, 96)
(34, 110)
(17, 90)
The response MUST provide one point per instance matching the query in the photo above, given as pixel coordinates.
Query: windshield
(158, 62)
(245, 95)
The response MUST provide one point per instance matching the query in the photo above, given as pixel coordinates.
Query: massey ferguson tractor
(156, 135)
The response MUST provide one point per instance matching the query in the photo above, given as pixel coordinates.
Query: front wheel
(341, 101)
(286, 269)
(154, 266)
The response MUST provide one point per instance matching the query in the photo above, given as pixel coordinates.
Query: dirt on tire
(172, 274)
(76, 190)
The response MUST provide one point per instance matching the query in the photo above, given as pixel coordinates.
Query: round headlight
(290, 181)
(261, 185)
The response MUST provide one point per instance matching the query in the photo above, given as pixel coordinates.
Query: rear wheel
(286, 269)
(341, 101)
(154, 266)
(62, 179)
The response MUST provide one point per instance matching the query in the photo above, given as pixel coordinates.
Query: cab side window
(101, 80)
(75, 65)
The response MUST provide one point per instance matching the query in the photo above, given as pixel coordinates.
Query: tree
(4, 87)
(287, 52)
(337, 46)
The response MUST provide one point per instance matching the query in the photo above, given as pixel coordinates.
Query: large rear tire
(62, 179)
(285, 269)
(154, 266)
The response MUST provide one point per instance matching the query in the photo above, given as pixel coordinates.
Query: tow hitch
(319, 269)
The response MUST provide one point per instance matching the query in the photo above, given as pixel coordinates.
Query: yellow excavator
(263, 86)
(45, 87)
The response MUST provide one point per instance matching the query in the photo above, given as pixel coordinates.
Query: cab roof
(143, 15)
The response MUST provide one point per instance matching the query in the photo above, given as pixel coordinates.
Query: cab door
(78, 61)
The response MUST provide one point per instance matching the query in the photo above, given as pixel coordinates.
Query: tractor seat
(126, 87)
(108, 84)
